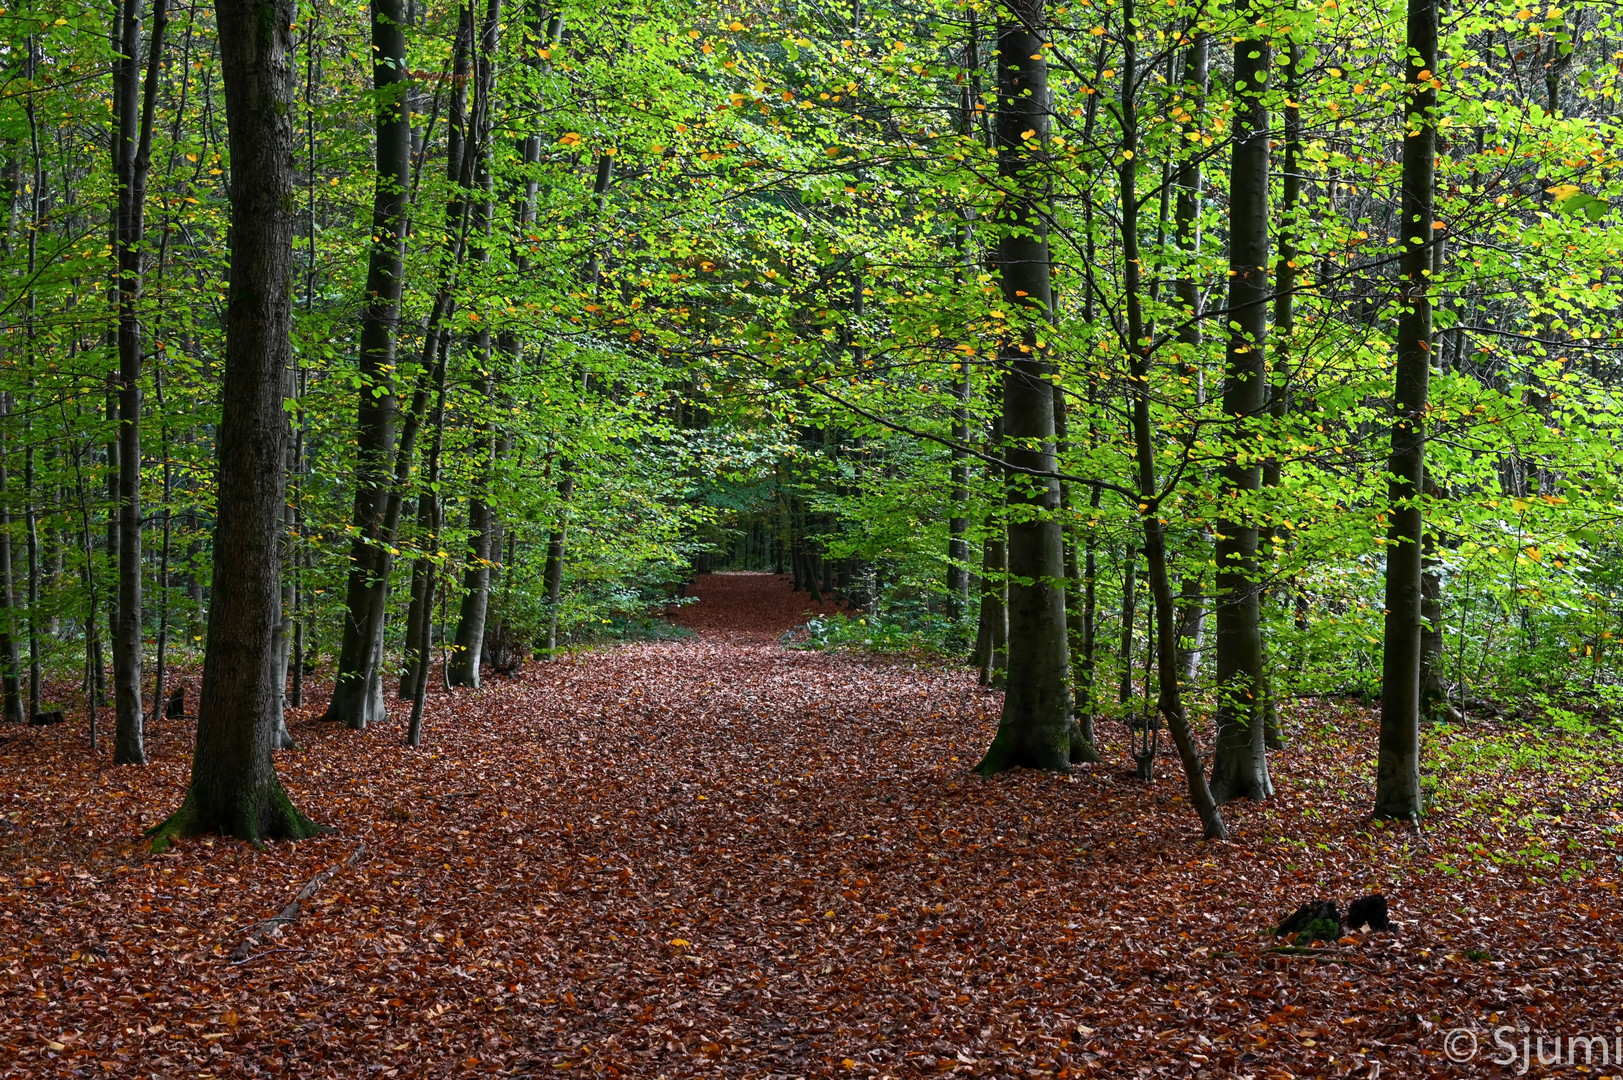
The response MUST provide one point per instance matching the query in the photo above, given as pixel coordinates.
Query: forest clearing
(725, 857)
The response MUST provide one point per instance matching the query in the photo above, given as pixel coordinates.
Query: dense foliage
(722, 291)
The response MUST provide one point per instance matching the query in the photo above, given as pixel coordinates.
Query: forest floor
(722, 857)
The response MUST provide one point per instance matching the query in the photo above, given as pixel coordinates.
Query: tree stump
(1368, 911)
(1319, 920)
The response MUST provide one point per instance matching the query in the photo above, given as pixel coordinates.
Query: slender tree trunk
(470, 632)
(552, 574)
(1240, 767)
(992, 629)
(423, 572)
(133, 161)
(1082, 748)
(1129, 613)
(958, 494)
(1164, 638)
(10, 656)
(1279, 393)
(234, 788)
(1035, 729)
(1397, 773)
(36, 676)
(357, 699)
(1191, 620)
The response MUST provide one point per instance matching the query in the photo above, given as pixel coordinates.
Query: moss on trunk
(263, 812)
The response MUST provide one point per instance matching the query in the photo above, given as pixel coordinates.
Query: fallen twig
(269, 928)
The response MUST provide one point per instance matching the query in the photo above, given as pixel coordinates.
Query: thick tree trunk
(234, 788)
(358, 690)
(1035, 730)
(1240, 767)
(1397, 773)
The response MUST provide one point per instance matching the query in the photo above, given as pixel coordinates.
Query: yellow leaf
(681, 943)
(1028, 133)
(569, 138)
(1563, 192)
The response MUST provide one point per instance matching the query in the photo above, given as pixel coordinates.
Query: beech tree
(1397, 774)
(234, 788)
(1240, 765)
(1036, 727)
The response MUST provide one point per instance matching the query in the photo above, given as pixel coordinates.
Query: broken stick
(271, 927)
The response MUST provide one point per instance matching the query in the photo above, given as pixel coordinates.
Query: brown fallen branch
(271, 927)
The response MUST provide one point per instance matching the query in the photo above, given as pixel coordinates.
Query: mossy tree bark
(234, 787)
(1036, 728)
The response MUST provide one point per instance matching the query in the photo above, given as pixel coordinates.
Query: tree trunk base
(1083, 751)
(266, 814)
(1010, 751)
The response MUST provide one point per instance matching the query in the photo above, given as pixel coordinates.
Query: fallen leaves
(722, 857)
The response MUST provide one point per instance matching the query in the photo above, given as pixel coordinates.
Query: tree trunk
(1035, 729)
(132, 159)
(958, 495)
(1082, 748)
(992, 628)
(1129, 613)
(1279, 393)
(552, 574)
(1191, 621)
(1397, 773)
(357, 699)
(10, 655)
(464, 667)
(234, 788)
(1165, 637)
(1240, 766)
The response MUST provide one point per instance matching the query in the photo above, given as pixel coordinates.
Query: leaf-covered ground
(722, 857)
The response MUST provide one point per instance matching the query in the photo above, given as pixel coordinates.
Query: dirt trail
(708, 858)
(742, 607)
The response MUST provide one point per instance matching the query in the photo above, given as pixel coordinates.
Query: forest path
(719, 857)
